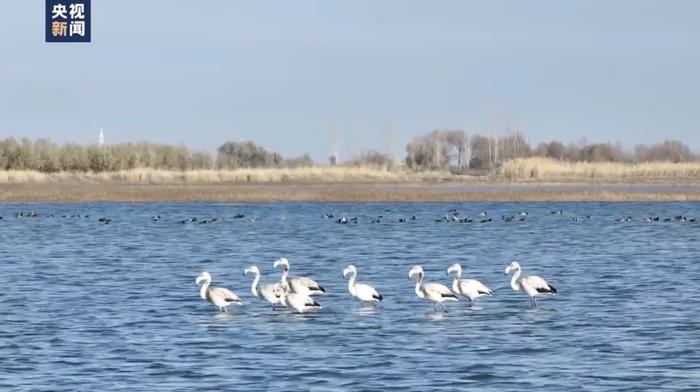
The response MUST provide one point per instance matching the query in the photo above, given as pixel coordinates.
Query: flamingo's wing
(435, 290)
(539, 284)
(224, 294)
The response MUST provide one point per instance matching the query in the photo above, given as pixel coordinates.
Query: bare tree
(668, 150)
(303, 160)
(457, 142)
(373, 158)
(427, 152)
(233, 155)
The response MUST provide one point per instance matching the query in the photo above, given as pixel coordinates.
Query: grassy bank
(553, 170)
(527, 169)
(336, 174)
(520, 180)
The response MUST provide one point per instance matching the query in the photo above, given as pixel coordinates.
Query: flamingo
(531, 285)
(434, 292)
(219, 296)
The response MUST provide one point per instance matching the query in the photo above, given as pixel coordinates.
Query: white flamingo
(269, 292)
(470, 288)
(434, 292)
(299, 302)
(362, 292)
(531, 285)
(218, 296)
(300, 285)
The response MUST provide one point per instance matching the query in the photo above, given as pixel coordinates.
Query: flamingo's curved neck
(419, 284)
(351, 283)
(285, 272)
(203, 290)
(254, 286)
(455, 282)
(514, 280)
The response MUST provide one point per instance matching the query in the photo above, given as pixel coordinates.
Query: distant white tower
(335, 147)
(101, 141)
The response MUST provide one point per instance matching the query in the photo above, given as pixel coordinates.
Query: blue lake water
(88, 306)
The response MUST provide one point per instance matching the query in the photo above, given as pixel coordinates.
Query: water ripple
(88, 306)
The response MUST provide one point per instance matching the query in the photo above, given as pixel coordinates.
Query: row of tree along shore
(440, 150)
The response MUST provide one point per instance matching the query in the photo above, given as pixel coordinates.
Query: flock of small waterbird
(453, 216)
(298, 292)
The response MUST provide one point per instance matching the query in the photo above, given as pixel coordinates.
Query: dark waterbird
(445, 218)
(685, 219)
(28, 214)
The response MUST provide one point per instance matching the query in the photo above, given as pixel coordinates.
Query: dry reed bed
(357, 184)
(550, 169)
(527, 169)
(281, 175)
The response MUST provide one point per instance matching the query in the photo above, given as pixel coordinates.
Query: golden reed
(547, 169)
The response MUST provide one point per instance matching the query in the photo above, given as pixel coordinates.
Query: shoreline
(76, 192)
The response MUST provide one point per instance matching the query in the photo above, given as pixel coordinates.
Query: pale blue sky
(285, 73)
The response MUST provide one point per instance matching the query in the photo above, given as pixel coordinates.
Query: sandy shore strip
(353, 192)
